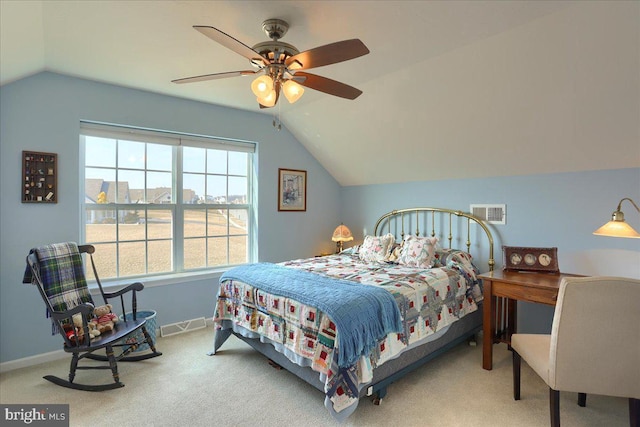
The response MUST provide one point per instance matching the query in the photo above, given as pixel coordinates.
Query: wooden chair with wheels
(58, 272)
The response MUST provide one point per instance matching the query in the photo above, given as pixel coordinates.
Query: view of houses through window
(161, 205)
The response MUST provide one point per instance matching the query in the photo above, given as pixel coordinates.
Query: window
(162, 203)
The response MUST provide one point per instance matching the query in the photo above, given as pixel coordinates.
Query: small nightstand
(323, 254)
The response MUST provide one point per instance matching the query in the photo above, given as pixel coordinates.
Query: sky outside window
(202, 167)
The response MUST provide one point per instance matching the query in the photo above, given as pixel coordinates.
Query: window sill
(153, 281)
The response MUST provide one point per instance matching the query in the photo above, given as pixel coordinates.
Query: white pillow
(418, 251)
(376, 248)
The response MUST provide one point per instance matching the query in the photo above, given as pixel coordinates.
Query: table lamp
(340, 235)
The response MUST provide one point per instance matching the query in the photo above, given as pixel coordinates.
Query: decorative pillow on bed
(455, 258)
(396, 249)
(444, 255)
(376, 248)
(353, 250)
(418, 251)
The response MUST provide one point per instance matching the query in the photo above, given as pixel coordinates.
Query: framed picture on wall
(292, 190)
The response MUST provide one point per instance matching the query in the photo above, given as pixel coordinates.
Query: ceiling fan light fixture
(262, 86)
(292, 91)
(269, 100)
(277, 62)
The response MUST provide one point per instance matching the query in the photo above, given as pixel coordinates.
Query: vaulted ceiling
(413, 121)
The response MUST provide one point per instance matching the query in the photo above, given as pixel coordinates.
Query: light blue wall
(43, 113)
(549, 210)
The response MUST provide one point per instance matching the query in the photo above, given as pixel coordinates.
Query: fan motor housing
(275, 51)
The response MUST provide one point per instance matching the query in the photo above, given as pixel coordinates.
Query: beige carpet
(237, 387)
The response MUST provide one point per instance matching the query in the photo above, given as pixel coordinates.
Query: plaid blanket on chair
(61, 273)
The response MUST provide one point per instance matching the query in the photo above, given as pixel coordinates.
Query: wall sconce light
(618, 227)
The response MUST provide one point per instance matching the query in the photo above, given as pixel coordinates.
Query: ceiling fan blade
(327, 54)
(326, 85)
(229, 42)
(215, 76)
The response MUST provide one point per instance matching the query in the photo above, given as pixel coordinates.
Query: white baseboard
(32, 360)
(25, 362)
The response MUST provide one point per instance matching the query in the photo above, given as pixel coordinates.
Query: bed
(352, 323)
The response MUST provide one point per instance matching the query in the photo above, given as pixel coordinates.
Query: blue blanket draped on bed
(363, 314)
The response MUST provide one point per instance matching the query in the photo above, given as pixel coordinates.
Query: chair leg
(516, 374)
(73, 366)
(554, 407)
(148, 339)
(634, 412)
(113, 364)
(582, 399)
(75, 359)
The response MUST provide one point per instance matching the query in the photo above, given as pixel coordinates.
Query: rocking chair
(57, 270)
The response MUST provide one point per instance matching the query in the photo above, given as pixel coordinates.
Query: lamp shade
(617, 229)
(269, 100)
(292, 91)
(342, 234)
(262, 86)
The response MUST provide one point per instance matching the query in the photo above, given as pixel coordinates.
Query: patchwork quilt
(428, 300)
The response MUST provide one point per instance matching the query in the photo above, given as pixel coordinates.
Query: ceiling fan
(279, 65)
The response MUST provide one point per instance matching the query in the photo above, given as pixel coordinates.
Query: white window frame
(177, 207)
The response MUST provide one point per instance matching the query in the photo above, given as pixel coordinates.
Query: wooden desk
(502, 290)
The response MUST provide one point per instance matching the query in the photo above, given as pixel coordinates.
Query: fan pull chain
(278, 124)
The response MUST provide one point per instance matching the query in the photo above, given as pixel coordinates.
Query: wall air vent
(491, 214)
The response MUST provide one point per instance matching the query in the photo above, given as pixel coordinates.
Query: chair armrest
(62, 317)
(136, 287)
(85, 309)
(133, 288)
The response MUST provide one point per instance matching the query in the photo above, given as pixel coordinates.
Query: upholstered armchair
(594, 345)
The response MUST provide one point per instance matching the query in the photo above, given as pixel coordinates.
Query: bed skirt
(393, 369)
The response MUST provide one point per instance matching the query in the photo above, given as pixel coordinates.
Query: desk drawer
(525, 293)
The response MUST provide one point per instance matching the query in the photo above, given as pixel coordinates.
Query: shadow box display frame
(39, 177)
(518, 258)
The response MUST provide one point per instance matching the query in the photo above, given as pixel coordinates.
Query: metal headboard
(413, 217)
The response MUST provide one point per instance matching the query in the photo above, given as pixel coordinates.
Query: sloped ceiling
(452, 89)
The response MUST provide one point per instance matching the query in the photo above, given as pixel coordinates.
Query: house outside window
(158, 203)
